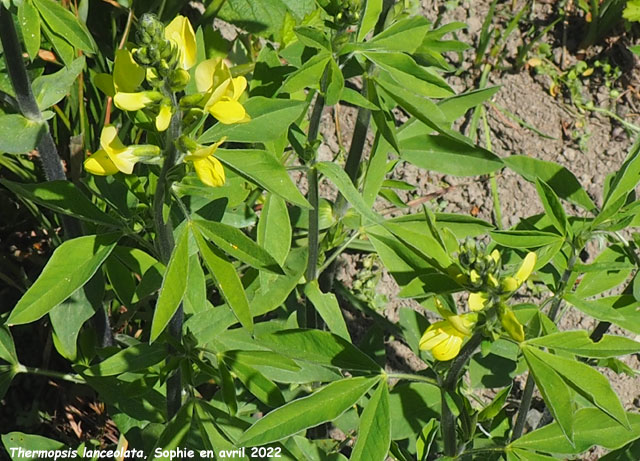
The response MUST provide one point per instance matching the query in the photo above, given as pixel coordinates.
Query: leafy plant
(221, 323)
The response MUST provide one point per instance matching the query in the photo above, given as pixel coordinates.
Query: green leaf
(627, 176)
(493, 409)
(65, 51)
(6, 377)
(552, 207)
(407, 73)
(587, 382)
(319, 347)
(372, 11)
(29, 21)
(458, 105)
(274, 228)
(212, 437)
(228, 389)
(524, 238)
(374, 433)
(347, 189)
(263, 169)
(327, 306)
(62, 197)
(7, 347)
(448, 156)
(264, 389)
(335, 83)
(594, 283)
(234, 242)
(195, 298)
(71, 265)
(597, 309)
(561, 180)
(313, 37)
(308, 76)
(258, 359)
(591, 427)
(411, 406)
(34, 443)
(226, 279)
(67, 319)
(19, 134)
(405, 36)
(175, 431)
(52, 88)
(578, 342)
(64, 23)
(326, 404)
(354, 97)
(270, 118)
(174, 285)
(631, 11)
(553, 389)
(133, 358)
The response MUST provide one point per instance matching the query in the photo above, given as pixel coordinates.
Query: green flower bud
(150, 29)
(178, 79)
(186, 144)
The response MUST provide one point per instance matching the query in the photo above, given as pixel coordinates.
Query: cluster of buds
(482, 268)
(344, 12)
(165, 51)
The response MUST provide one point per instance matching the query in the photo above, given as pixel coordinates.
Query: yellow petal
(127, 74)
(474, 276)
(447, 349)
(211, 74)
(461, 323)
(239, 85)
(228, 111)
(495, 255)
(433, 336)
(100, 164)
(509, 284)
(164, 118)
(511, 325)
(210, 171)
(133, 101)
(110, 141)
(526, 269)
(206, 151)
(477, 301)
(124, 160)
(181, 33)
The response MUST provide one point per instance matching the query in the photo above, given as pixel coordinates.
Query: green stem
(497, 209)
(527, 394)
(50, 373)
(448, 422)
(413, 377)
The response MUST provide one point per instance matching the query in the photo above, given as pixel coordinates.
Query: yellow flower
(510, 323)
(180, 32)
(208, 168)
(444, 338)
(478, 301)
(114, 156)
(213, 77)
(511, 284)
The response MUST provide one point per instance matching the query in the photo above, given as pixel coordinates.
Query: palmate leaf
(374, 433)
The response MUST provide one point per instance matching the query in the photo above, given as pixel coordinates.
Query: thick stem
(525, 404)
(165, 243)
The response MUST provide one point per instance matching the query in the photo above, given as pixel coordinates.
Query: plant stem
(448, 422)
(527, 394)
(413, 377)
(51, 374)
(165, 244)
(523, 410)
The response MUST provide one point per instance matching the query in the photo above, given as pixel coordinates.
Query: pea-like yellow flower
(180, 32)
(213, 78)
(510, 323)
(124, 87)
(444, 338)
(208, 168)
(511, 284)
(114, 156)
